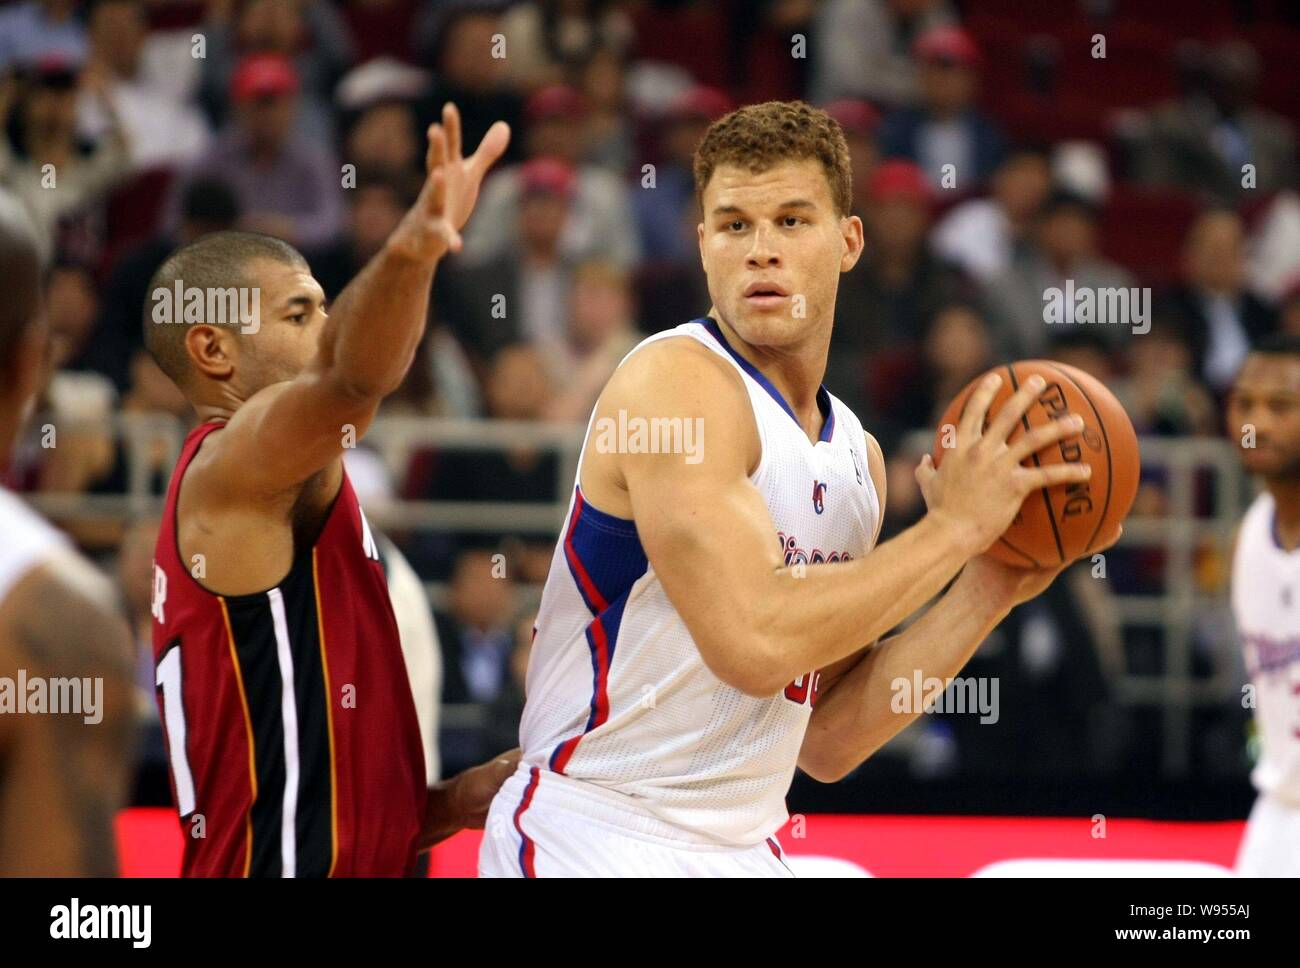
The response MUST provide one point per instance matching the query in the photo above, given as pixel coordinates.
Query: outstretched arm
(288, 431)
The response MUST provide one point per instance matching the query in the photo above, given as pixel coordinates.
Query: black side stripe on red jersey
(277, 642)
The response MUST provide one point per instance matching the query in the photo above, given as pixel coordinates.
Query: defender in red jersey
(290, 725)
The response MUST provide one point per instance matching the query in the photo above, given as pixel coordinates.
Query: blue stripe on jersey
(606, 558)
(823, 395)
(603, 552)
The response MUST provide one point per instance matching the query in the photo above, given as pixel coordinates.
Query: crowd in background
(997, 153)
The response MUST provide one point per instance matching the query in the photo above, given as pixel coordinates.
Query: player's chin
(1266, 461)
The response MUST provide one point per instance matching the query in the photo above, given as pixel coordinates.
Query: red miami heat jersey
(291, 731)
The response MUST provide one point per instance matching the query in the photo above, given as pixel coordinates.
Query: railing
(1181, 532)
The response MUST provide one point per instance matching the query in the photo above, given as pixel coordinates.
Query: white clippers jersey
(618, 694)
(1266, 605)
(27, 541)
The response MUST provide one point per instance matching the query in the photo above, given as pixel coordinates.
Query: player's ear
(210, 350)
(852, 234)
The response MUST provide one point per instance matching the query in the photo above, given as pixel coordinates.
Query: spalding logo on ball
(1063, 522)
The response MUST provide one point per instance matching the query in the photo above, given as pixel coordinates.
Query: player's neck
(796, 375)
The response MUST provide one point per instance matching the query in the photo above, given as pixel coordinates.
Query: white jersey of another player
(619, 697)
(1266, 605)
(28, 541)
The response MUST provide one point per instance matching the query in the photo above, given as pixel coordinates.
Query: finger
(435, 201)
(490, 149)
(971, 426)
(1033, 478)
(1044, 436)
(435, 156)
(925, 474)
(1005, 420)
(451, 122)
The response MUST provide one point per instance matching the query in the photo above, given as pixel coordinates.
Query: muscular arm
(710, 538)
(62, 779)
(289, 431)
(854, 716)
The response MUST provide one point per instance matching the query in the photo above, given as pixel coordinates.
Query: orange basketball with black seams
(1059, 523)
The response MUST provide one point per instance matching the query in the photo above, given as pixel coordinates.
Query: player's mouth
(765, 295)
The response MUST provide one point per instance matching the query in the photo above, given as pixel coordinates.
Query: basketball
(1060, 523)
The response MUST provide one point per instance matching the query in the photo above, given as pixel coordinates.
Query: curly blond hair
(760, 136)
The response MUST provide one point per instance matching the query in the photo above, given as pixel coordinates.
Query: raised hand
(432, 227)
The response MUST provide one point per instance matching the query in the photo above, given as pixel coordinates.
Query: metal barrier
(1180, 532)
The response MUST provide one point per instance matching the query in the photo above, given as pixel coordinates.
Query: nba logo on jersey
(819, 496)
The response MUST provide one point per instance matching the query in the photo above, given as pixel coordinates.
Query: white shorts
(1271, 845)
(542, 824)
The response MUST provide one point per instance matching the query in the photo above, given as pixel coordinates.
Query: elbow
(755, 669)
(826, 768)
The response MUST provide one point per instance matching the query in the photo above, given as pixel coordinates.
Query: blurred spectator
(946, 128)
(287, 186)
(549, 39)
(1063, 249)
(378, 99)
(667, 213)
(34, 29)
(1160, 391)
(382, 28)
(983, 235)
(508, 708)
(958, 347)
(1201, 142)
(861, 125)
(1289, 309)
(206, 205)
(601, 218)
(375, 206)
(466, 73)
(522, 294)
(1273, 252)
(477, 629)
(1218, 316)
(863, 48)
(600, 333)
(45, 109)
(897, 286)
(611, 133)
(310, 34)
(160, 128)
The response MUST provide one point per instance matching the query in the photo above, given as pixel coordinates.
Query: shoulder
(677, 375)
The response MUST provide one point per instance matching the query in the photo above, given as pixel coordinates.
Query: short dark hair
(759, 137)
(216, 261)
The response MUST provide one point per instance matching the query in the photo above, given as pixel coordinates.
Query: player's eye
(791, 221)
(735, 225)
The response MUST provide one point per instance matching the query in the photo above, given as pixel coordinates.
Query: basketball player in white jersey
(1266, 597)
(710, 587)
(62, 776)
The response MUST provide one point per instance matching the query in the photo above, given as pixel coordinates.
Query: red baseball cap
(950, 45)
(897, 178)
(546, 176)
(555, 101)
(263, 75)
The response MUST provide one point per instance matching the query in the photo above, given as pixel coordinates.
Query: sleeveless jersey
(1266, 606)
(291, 730)
(617, 692)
